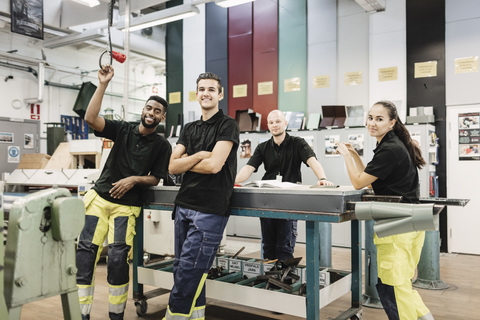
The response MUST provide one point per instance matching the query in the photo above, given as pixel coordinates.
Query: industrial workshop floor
(459, 302)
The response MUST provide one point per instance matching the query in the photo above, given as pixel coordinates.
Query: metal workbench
(312, 205)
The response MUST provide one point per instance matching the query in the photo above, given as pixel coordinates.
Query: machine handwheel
(141, 307)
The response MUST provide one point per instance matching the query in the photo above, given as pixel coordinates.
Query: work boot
(85, 317)
(115, 316)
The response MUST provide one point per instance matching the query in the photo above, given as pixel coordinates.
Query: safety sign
(13, 154)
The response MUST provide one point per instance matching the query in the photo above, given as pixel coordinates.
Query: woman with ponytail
(392, 171)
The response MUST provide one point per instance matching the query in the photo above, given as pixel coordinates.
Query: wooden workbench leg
(313, 266)
(356, 264)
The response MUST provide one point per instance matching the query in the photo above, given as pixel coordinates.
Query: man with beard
(282, 157)
(139, 158)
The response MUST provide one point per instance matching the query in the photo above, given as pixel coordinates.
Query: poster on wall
(29, 142)
(27, 17)
(6, 137)
(246, 149)
(331, 143)
(468, 136)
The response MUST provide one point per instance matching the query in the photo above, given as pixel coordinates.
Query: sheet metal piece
(396, 218)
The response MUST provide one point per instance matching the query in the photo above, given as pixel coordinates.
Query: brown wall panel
(240, 64)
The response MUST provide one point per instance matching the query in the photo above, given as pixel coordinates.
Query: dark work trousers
(278, 238)
(197, 238)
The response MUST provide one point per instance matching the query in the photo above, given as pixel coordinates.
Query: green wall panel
(292, 55)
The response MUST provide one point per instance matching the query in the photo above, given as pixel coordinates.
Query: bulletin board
(17, 138)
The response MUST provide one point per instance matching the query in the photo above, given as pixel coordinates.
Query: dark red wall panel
(265, 56)
(240, 63)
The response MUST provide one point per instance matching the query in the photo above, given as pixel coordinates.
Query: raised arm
(244, 173)
(356, 157)
(357, 176)
(91, 115)
(319, 172)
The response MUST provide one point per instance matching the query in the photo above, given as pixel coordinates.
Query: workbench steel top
(302, 199)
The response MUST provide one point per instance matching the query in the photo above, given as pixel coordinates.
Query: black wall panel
(426, 42)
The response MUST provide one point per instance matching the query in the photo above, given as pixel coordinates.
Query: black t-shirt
(284, 159)
(209, 193)
(396, 172)
(132, 155)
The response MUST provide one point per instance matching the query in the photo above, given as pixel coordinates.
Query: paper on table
(270, 184)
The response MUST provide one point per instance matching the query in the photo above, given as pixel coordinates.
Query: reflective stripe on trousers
(117, 222)
(197, 237)
(198, 313)
(85, 296)
(117, 299)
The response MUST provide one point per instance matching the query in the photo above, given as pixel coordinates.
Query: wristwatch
(321, 179)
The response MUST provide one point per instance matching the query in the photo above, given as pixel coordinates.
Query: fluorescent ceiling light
(90, 3)
(231, 3)
(161, 17)
(372, 5)
(73, 38)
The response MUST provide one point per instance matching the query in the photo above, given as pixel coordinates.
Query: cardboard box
(33, 161)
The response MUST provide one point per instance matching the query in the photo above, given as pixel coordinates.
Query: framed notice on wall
(27, 17)
(469, 136)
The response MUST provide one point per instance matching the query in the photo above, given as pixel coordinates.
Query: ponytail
(404, 135)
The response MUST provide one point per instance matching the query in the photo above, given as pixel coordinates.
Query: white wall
(462, 39)
(322, 53)
(352, 52)
(388, 48)
(193, 61)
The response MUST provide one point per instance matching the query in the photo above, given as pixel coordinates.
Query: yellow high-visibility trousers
(397, 259)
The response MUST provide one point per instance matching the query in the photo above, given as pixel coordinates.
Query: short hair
(212, 76)
(160, 100)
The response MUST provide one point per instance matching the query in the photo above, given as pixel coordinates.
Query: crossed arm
(204, 162)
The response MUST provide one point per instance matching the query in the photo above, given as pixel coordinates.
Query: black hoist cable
(113, 55)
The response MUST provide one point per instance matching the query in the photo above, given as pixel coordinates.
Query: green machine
(40, 251)
(3, 306)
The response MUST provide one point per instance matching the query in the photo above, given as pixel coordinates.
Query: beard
(279, 133)
(149, 126)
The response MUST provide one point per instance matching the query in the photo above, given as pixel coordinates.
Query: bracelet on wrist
(323, 179)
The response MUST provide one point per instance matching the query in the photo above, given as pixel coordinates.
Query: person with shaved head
(282, 157)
